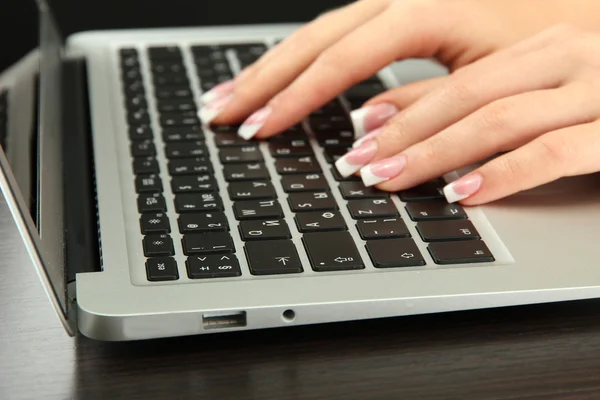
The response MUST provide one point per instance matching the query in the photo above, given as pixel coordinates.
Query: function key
(148, 183)
(140, 132)
(190, 166)
(405, 253)
(320, 221)
(302, 165)
(213, 266)
(443, 231)
(149, 202)
(138, 116)
(155, 223)
(304, 183)
(193, 184)
(251, 190)
(314, 201)
(257, 209)
(264, 230)
(357, 190)
(172, 51)
(158, 245)
(145, 165)
(464, 252)
(246, 154)
(382, 228)
(138, 100)
(186, 149)
(207, 243)
(372, 208)
(245, 172)
(273, 257)
(143, 148)
(133, 88)
(183, 134)
(428, 191)
(161, 269)
(435, 211)
(332, 251)
(203, 222)
(186, 203)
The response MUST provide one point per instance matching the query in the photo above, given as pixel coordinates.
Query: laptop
(144, 222)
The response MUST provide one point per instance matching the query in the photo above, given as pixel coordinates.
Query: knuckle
(497, 117)
(565, 31)
(457, 90)
(554, 151)
(333, 59)
(509, 168)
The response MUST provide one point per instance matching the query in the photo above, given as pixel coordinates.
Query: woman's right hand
(345, 46)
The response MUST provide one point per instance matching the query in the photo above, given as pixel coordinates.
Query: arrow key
(392, 253)
(213, 266)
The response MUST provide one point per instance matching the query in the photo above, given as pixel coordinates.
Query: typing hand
(488, 104)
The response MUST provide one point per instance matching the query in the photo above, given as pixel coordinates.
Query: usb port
(224, 320)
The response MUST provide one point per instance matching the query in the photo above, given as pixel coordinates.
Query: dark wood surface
(536, 352)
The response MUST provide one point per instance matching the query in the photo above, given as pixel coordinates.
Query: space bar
(332, 251)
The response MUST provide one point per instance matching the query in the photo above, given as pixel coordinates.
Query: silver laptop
(143, 222)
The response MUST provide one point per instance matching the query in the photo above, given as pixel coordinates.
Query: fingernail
(372, 117)
(382, 170)
(221, 90)
(214, 108)
(356, 159)
(254, 122)
(369, 136)
(463, 188)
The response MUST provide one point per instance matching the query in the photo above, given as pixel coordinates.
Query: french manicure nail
(382, 170)
(253, 124)
(372, 117)
(369, 136)
(221, 90)
(214, 108)
(463, 188)
(356, 158)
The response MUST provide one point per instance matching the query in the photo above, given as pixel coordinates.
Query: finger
(497, 127)
(381, 108)
(562, 153)
(294, 55)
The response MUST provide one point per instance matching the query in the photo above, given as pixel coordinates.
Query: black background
(18, 18)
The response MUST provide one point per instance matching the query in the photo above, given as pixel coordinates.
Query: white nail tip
(370, 179)
(345, 168)
(358, 121)
(208, 97)
(248, 131)
(451, 195)
(206, 114)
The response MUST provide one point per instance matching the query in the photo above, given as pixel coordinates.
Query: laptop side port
(224, 320)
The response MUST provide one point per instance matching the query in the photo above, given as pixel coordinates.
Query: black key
(245, 172)
(314, 201)
(364, 91)
(190, 166)
(179, 120)
(356, 190)
(203, 222)
(296, 133)
(334, 153)
(148, 183)
(257, 209)
(138, 117)
(173, 93)
(393, 253)
(185, 203)
(149, 202)
(229, 140)
(138, 100)
(171, 80)
(207, 243)
(304, 183)
(213, 266)
(464, 252)
(155, 223)
(273, 257)
(444, 231)
(330, 123)
(193, 184)
(302, 165)
(426, 192)
(186, 149)
(185, 133)
(435, 211)
(320, 221)
(332, 251)
(140, 132)
(145, 165)
(256, 49)
(264, 229)
(158, 245)
(164, 52)
(340, 178)
(251, 190)
(246, 154)
(181, 105)
(295, 148)
(230, 129)
(372, 208)
(143, 148)
(134, 87)
(168, 67)
(161, 269)
(336, 138)
(132, 74)
(382, 228)
(334, 107)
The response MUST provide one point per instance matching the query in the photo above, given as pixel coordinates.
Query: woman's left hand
(538, 101)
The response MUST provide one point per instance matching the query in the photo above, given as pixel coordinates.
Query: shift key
(332, 251)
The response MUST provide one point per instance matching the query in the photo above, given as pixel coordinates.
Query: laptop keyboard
(264, 220)
(3, 117)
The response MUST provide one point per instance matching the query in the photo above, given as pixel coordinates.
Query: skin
(525, 81)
